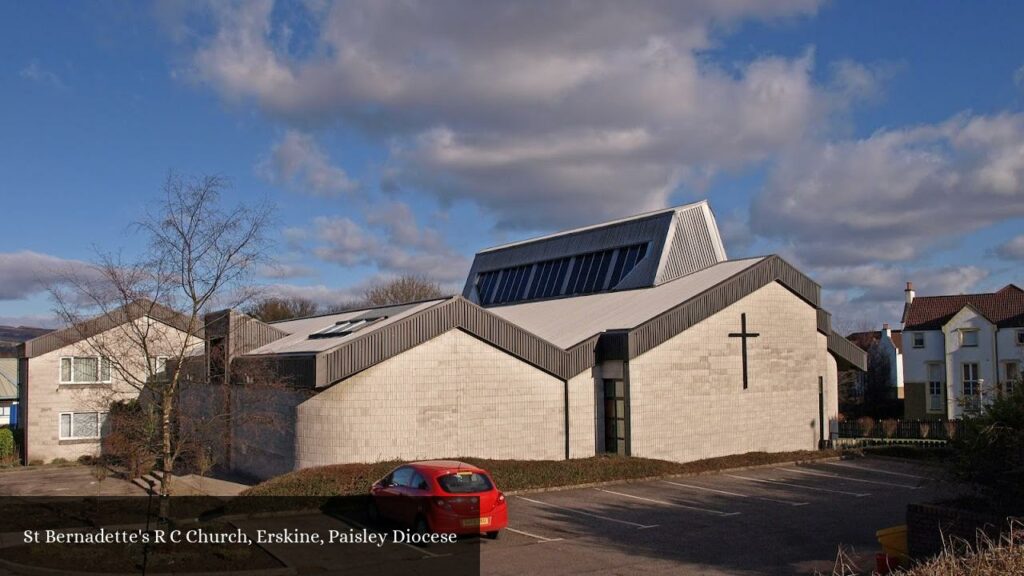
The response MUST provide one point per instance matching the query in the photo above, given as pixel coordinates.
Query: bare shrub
(924, 428)
(889, 427)
(867, 425)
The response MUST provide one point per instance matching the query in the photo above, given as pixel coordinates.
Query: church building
(637, 337)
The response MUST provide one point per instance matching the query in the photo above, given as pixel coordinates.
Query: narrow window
(971, 387)
(1020, 337)
(935, 387)
(918, 339)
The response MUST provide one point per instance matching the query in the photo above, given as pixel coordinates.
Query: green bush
(990, 452)
(7, 449)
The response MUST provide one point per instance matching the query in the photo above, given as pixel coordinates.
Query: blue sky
(870, 143)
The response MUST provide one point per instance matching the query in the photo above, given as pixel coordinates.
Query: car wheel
(493, 535)
(372, 513)
(421, 528)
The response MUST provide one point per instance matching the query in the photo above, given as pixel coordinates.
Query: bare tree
(140, 318)
(272, 309)
(407, 288)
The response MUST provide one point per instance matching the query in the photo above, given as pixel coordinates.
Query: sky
(868, 143)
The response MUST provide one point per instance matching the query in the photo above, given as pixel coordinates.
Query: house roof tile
(1004, 308)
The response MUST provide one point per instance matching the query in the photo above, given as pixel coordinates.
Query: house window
(5, 411)
(84, 370)
(1012, 376)
(1020, 337)
(969, 338)
(615, 417)
(972, 387)
(935, 387)
(918, 339)
(159, 365)
(81, 425)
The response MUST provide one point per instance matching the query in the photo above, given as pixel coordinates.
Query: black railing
(901, 429)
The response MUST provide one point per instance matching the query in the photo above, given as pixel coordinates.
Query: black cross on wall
(743, 335)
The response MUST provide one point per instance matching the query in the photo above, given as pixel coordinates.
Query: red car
(440, 496)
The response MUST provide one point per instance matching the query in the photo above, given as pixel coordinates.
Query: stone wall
(454, 395)
(687, 396)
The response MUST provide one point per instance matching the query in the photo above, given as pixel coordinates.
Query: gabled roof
(1004, 308)
(94, 326)
(559, 336)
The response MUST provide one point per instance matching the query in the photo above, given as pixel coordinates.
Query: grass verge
(514, 475)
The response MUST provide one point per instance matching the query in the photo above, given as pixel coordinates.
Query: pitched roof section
(89, 328)
(672, 243)
(557, 336)
(1004, 308)
(297, 339)
(568, 321)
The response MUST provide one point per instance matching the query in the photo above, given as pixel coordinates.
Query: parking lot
(780, 520)
(788, 519)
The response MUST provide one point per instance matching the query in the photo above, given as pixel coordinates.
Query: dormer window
(345, 327)
(918, 339)
(969, 338)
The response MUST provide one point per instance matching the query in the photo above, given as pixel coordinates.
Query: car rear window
(465, 482)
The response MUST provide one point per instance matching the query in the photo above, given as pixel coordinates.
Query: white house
(66, 387)
(960, 350)
(887, 343)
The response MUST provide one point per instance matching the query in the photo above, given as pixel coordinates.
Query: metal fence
(902, 429)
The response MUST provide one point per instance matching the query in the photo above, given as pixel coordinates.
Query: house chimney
(886, 330)
(909, 292)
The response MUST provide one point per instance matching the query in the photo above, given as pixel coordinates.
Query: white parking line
(667, 503)
(869, 469)
(727, 493)
(837, 476)
(527, 534)
(766, 481)
(590, 514)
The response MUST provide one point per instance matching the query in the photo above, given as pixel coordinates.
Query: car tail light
(500, 500)
(441, 503)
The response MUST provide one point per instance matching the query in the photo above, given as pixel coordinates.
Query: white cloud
(1012, 249)
(35, 72)
(392, 241)
(1018, 77)
(25, 273)
(608, 107)
(897, 194)
(299, 163)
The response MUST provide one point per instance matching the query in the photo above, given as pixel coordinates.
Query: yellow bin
(893, 541)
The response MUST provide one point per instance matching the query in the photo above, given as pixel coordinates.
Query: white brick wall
(451, 396)
(47, 397)
(582, 429)
(687, 395)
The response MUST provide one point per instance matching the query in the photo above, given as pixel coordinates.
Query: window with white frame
(935, 378)
(82, 425)
(5, 411)
(84, 370)
(159, 365)
(972, 386)
(918, 339)
(969, 338)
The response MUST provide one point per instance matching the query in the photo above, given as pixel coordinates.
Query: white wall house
(67, 386)
(961, 351)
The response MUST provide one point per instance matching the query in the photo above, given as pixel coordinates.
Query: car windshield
(465, 482)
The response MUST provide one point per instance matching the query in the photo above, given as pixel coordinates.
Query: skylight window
(345, 327)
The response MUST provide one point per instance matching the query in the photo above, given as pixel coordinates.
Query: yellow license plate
(485, 521)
